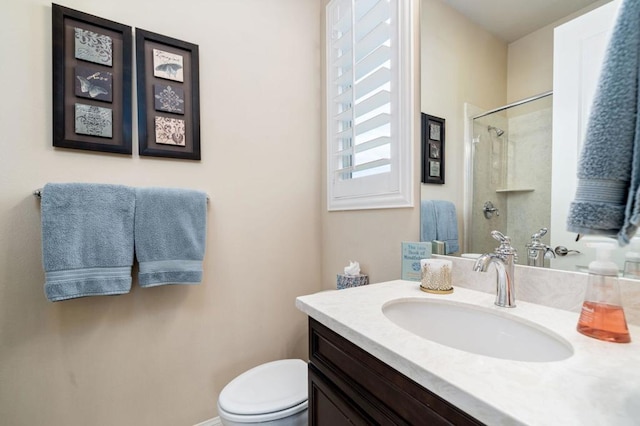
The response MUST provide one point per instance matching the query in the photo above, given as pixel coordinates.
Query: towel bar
(38, 193)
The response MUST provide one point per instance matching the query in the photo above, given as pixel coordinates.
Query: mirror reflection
(494, 85)
(511, 170)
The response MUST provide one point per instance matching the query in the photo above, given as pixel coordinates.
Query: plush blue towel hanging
(87, 239)
(607, 200)
(170, 229)
(428, 221)
(438, 221)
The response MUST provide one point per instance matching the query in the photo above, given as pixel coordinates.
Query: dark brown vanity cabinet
(349, 386)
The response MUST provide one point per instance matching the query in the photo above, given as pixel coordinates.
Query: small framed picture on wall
(168, 96)
(432, 149)
(92, 60)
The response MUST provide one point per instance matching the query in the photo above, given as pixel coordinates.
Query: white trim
(367, 192)
(407, 99)
(211, 422)
(470, 112)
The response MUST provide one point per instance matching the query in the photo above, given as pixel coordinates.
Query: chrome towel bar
(38, 193)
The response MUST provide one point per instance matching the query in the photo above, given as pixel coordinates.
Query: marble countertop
(598, 385)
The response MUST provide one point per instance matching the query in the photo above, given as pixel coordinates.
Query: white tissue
(352, 269)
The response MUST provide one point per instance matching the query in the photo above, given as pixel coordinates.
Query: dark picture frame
(168, 96)
(92, 59)
(433, 143)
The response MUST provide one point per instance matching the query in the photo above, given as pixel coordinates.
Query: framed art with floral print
(168, 96)
(91, 82)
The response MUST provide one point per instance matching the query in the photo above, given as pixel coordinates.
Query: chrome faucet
(537, 251)
(504, 258)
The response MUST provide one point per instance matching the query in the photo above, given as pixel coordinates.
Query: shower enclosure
(510, 174)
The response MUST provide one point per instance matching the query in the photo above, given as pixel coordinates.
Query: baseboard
(211, 422)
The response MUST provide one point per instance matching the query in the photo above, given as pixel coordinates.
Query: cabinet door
(328, 406)
(349, 383)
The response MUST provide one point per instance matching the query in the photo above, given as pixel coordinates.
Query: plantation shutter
(363, 102)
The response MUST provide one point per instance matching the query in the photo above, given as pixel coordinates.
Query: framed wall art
(168, 96)
(432, 149)
(91, 82)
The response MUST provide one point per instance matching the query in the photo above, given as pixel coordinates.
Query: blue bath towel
(607, 200)
(428, 221)
(438, 221)
(170, 229)
(87, 239)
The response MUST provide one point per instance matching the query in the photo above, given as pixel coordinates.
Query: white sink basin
(478, 330)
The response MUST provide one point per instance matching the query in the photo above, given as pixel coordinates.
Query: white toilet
(274, 393)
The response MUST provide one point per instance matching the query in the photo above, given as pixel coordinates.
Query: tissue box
(346, 281)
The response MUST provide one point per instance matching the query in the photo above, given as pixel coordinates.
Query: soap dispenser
(602, 316)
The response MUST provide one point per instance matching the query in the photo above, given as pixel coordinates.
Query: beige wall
(460, 63)
(160, 356)
(530, 62)
(371, 237)
(530, 65)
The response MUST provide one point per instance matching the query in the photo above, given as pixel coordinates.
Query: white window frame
(393, 189)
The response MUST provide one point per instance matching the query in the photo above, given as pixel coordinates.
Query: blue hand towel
(87, 239)
(447, 225)
(170, 229)
(438, 221)
(428, 221)
(607, 200)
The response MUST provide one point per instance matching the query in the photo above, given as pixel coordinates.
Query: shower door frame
(471, 113)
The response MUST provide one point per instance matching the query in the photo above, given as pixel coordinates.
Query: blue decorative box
(346, 281)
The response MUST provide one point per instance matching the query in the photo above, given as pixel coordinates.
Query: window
(369, 104)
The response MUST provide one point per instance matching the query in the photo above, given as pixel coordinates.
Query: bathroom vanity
(347, 385)
(366, 369)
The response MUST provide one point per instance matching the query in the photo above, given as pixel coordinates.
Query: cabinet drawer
(386, 395)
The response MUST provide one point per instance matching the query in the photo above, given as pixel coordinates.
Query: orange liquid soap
(604, 322)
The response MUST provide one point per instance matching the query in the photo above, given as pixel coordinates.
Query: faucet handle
(499, 236)
(541, 233)
(505, 247)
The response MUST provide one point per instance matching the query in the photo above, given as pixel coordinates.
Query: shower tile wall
(520, 158)
(529, 167)
(488, 172)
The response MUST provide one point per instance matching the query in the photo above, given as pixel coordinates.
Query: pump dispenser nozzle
(603, 264)
(602, 316)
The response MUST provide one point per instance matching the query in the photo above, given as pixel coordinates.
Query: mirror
(511, 172)
(481, 56)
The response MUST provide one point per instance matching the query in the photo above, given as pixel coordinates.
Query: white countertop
(598, 385)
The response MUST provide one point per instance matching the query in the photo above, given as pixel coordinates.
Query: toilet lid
(274, 386)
